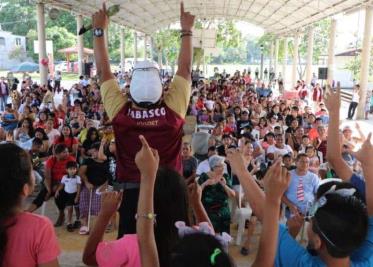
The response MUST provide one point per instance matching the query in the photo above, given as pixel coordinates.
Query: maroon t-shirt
(162, 128)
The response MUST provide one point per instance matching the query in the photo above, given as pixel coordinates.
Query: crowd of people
(115, 144)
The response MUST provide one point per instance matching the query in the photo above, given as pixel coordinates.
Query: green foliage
(17, 16)
(354, 66)
(61, 39)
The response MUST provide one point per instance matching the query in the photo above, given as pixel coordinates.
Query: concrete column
(42, 43)
(365, 58)
(145, 47)
(331, 53)
(277, 44)
(294, 75)
(272, 48)
(80, 45)
(285, 63)
(135, 48)
(309, 56)
(122, 50)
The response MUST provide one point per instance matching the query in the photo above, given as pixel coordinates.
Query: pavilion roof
(280, 17)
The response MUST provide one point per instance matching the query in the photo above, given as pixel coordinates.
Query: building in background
(12, 49)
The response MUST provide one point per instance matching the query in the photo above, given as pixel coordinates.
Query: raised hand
(236, 160)
(365, 153)
(186, 19)
(194, 193)
(332, 99)
(100, 19)
(276, 181)
(147, 160)
(110, 202)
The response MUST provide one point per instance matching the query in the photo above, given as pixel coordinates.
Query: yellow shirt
(177, 97)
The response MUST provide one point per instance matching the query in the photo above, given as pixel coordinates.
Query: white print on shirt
(147, 114)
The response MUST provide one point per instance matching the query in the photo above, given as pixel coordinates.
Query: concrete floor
(72, 244)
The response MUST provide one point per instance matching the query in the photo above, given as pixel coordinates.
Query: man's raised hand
(186, 19)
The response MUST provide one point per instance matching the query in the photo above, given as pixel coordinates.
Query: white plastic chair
(241, 215)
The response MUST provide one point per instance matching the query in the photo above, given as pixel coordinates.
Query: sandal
(70, 227)
(84, 230)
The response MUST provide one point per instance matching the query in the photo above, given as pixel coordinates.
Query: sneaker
(77, 224)
(70, 227)
(60, 220)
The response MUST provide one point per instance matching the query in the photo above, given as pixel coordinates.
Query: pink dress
(31, 241)
(119, 253)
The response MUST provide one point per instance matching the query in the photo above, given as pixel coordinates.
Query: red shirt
(69, 142)
(57, 167)
(162, 128)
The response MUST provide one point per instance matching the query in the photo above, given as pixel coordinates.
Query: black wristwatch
(98, 32)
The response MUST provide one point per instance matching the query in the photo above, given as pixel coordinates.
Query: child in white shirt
(69, 190)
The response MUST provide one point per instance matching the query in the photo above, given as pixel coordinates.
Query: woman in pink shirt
(26, 239)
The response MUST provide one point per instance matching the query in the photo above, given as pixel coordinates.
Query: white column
(309, 56)
(80, 44)
(285, 63)
(145, 47)
(122, 50)
(271, 52)
(277, 44)
(295, 60)
(365, 59)
(135, 47)
(42, 43)
(331, 53)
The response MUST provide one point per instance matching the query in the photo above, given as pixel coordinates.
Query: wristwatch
(98, 32)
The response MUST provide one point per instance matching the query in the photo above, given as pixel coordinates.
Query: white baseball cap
(146, 84)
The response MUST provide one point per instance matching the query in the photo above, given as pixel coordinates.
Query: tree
(61, 39)
(17, 17)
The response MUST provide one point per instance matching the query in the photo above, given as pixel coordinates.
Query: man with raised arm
(159, 119)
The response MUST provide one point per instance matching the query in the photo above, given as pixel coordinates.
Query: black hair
(71, 164)
(301, 155)
(212, 148)
(170, 205)
(31, 132)
(59, 148)
(196, 250)
(37, 142)
(42, 131)
(342, 224)
(61, 138)
(15, 169)
(318, 119)
(90, 132)
(286, 156)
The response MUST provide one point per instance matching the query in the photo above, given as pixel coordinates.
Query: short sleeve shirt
(119, 253)
(71, 183)
(291, 253)
(31, 241)
(310, 185)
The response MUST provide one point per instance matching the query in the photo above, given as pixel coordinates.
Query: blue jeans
(3, 102)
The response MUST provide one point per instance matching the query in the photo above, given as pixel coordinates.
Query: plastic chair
(241, 215)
